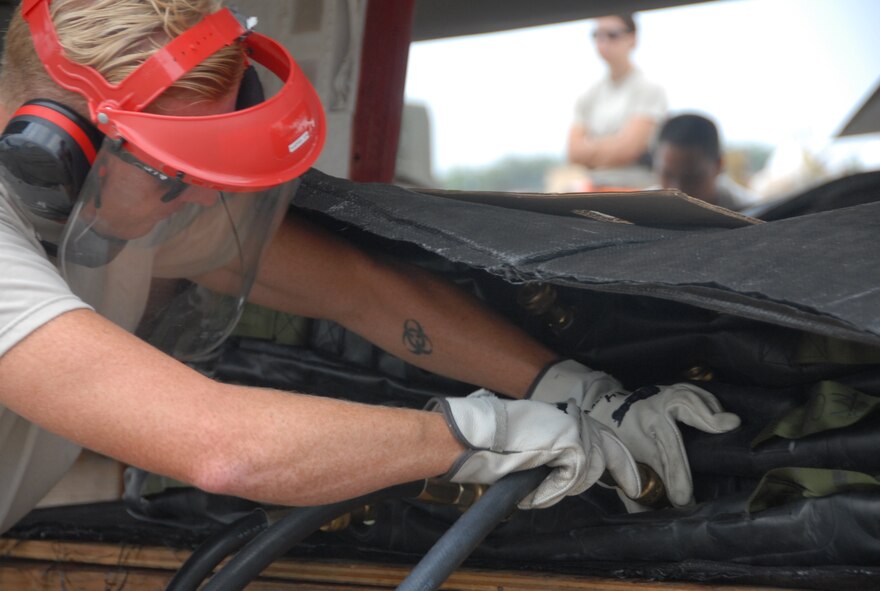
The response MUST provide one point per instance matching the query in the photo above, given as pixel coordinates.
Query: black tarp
(819, 273)
(752, 306)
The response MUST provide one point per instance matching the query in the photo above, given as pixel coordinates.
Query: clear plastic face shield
(175, 213)
(171, 262)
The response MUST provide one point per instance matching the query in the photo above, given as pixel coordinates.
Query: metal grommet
(699, 373)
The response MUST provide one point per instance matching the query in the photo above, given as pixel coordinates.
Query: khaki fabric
(606, 107)
(32, 460)
(788, 485)
(830, 406)
(258, 322)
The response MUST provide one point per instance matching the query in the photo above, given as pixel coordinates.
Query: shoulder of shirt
(13, 215)
(596, 86)
(737, 195)
(637, 76)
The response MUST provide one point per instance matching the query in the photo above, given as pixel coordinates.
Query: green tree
(511, 173)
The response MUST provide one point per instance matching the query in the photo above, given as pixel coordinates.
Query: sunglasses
(610, 35)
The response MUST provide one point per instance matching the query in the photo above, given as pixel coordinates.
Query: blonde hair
(114, 37)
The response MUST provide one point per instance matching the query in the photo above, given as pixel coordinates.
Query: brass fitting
(539, 299)
(536, 298)
(699, 373)
(435, 491)
(365, 515)
(442, 492)
(653, 493)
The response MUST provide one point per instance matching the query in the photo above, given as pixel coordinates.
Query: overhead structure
(438, 19)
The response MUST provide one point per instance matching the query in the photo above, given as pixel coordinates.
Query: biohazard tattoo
(414, 338)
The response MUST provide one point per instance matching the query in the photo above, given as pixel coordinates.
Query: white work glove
(569, 379)
(504, 436)
(645, 420)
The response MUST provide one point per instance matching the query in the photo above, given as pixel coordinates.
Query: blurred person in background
(615, 120)
(688, 157)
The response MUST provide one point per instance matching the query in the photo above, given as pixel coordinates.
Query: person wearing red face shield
(141, 206)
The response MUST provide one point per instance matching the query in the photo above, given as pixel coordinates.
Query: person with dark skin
(181, 187)
(688, 157)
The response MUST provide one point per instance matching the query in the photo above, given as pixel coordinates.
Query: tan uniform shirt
(32, 293)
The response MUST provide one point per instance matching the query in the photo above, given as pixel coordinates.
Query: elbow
(221, 463)
(237, 465)
(578, 153)
(218, 473)
(571, 154)
(576, 147)
(233, 477)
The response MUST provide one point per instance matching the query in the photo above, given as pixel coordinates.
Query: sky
(777, 72)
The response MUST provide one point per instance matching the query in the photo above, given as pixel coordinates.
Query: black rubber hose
(263, 550)
(497, 503)
(214, 549)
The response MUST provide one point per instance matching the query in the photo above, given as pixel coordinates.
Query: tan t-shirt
(32, 293)
(606, 107)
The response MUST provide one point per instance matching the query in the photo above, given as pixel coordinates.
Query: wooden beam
(65, 577)
(36, 565)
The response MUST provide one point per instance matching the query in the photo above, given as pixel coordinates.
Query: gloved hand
(569, 379)
(645, 420)
(504, 436)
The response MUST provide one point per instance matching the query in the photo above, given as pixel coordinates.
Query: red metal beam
(376, 127)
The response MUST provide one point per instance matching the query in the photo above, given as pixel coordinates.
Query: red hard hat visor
(252, 149)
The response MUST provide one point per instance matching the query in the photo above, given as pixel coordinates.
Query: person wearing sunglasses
(615, 119)
(144, 193)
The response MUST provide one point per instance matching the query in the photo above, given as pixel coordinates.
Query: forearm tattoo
(414, 338)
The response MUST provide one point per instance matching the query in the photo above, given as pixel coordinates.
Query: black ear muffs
(250, 92)
(47, 150)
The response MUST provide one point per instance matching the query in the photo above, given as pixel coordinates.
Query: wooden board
(56, 566)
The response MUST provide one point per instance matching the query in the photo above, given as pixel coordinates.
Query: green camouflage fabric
(788, 485)
(258, 322)
(815, 348)
(831, 406)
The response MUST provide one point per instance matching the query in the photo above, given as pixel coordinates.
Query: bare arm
(620, 149)
(84, 378)
(406, 311)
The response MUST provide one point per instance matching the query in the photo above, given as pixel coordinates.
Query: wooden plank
(40, 576)
(94, 553)
(49, 577)
(99, 561)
